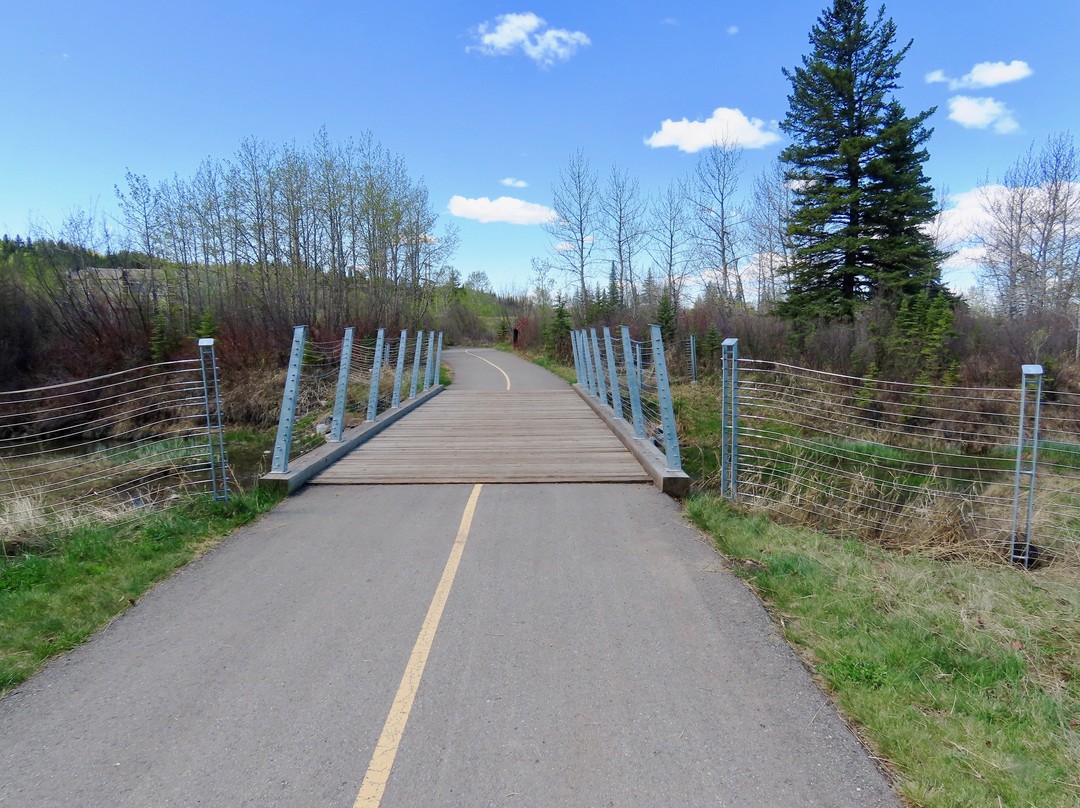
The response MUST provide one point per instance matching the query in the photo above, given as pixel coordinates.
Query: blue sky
(473, 94)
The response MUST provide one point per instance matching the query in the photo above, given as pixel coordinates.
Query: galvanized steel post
(399, 369)
(283, 442)
(667, 410)
(1031, 382)
(438, 362)
(376, 377)
(416, 364)
(342, 386)
(430, 360)
(598, 363)
(574, 349)
(586, 354)
(729, 419)
(208, 361)
(633, 384)
(613, 376)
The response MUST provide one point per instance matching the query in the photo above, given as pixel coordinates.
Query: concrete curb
(308, 465)
(675, 483)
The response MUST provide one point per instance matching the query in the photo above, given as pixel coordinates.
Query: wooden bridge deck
(488, 437)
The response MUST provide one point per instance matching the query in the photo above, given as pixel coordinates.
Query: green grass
(965, 678)
(52, 601)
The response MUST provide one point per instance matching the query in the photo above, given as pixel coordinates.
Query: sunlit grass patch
(963, 676)
(54, 598)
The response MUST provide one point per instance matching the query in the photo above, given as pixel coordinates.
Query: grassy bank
(54, 600)
(964, 677)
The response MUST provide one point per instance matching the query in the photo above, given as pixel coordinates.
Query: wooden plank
(465, 436)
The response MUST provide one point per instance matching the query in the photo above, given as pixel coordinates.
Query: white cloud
(511, 182)
(733, 29)
(671, 21)
(728, 125)
(980, 113)
(504, 209)
(531, 34)
(984, 74)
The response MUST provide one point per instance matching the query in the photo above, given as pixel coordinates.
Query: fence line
(952, 469)
(109, 447)
(342, 383)
(630, 377)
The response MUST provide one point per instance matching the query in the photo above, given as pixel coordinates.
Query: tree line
(843, 232)
(329, 234)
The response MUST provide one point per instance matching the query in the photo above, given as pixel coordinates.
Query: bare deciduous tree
(720, 222)
(1031, 234)
(577, 213)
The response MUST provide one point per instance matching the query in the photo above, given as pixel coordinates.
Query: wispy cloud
(511, 182)
(725, 126)
(504, 209)
(530, 34)
(732, 30)
(984, 74)
(982, 113)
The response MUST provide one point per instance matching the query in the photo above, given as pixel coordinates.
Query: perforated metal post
(633, 384)
(283, 442)
(1030, 388)
(438, 362)
(430, 360)
(416, 364)
(729, 419)
(219, 478)
(586, 357)
(399, 369)
(376, 377)
(667, 410)
(577, 359)
(693, 358)
(598, 365)
(342, 386)
(613, 376)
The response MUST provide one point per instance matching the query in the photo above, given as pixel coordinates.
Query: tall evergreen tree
(855, 164)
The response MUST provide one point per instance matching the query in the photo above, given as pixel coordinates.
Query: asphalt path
(591, 650)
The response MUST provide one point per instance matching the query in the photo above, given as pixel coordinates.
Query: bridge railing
(109, 448)
(332, 385)
(630, 377)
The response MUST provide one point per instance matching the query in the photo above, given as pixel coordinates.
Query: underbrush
(54, 598)
(965, 677)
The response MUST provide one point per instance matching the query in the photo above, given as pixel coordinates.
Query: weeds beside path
(52, 601)
(964, 677)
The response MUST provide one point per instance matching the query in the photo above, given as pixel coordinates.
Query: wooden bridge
(481, 431)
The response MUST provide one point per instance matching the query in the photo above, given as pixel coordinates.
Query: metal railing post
(598, 364)
(342, 386)
(399, 368)
(438, 362)
(586, 355)
(693, 358)
(613, 376)
(211, 391)
(283, 442)
(577, 360)
(1031, 382)
(430, 360)
(633, 384)
(667, 410)
(729, 419)
(376, 377)
(416, 364)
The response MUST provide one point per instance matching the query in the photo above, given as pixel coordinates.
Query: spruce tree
(855, 164)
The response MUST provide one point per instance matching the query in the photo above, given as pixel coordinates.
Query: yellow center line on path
(382, 760)
(503, 372)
